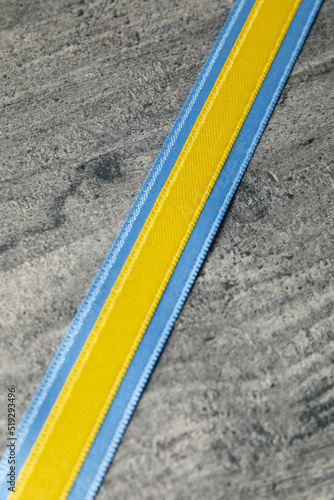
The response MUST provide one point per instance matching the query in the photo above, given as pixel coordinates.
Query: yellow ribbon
(56, 457)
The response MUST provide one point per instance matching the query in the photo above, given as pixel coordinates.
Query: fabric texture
(120, 329)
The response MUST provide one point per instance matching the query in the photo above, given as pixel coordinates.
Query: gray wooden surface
(241, 403)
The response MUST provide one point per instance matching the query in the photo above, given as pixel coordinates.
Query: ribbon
(73, 426)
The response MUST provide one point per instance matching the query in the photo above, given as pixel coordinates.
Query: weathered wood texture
(241, 404)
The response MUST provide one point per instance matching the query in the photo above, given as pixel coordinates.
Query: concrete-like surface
(241, 404)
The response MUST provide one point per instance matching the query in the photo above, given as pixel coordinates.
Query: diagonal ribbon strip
(262, 40)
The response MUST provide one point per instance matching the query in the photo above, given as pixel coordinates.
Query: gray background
(241, 403)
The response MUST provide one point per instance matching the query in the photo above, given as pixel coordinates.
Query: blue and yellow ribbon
(74, 424)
